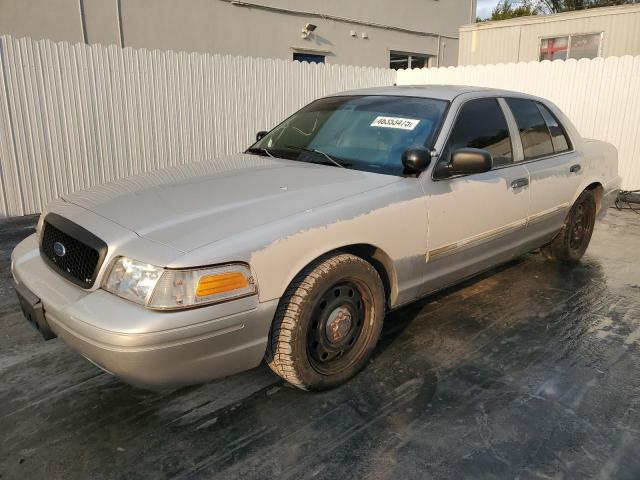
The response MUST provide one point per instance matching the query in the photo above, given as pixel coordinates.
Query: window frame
(517, 128)
(514, 134)
(429, 145)
(309, 54)
(569, 37)
(560, 126)
(508, 118)
(541, 39)
(410, 55)
(600, 39)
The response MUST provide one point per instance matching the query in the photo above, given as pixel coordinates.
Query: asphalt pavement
(529, 371)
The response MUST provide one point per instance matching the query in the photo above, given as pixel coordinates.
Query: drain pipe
(83, 22)
(120, 31)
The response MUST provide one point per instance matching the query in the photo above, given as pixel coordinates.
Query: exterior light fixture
(308, 28)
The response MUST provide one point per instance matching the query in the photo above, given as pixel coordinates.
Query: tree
(557, 6)
(512, 8)
(505, 9)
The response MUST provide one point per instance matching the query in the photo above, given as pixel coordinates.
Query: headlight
(132, 280)
(167, 289)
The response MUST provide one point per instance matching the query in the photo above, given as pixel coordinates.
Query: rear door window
(535, 136)
(558, 135)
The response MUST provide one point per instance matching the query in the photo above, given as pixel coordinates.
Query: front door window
(481, 124)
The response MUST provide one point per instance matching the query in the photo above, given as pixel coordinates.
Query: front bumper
(147, 348)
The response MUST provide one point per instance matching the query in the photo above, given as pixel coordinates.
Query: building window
(554, 48)
(585, 46)
(570, 46)
(308, 57)
(403, 60)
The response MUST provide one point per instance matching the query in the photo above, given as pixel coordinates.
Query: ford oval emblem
(59, 249)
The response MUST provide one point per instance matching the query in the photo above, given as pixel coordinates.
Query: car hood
(192, 205)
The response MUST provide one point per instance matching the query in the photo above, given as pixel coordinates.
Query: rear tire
(574, 237)
(327, 323)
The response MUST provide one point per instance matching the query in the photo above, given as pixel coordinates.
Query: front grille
(73, 251)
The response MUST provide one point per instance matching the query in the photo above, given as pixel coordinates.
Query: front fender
(398, 229)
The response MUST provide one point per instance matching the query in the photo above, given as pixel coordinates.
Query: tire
(327, 323)
(573, 239)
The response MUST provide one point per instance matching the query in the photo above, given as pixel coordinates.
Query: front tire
(327, 323)
(574, 237)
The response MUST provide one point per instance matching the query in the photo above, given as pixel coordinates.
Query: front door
(475, 221)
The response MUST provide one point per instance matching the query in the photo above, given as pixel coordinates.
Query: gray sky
(484, 8)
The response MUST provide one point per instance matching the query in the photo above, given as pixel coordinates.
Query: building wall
(258, 28)
(55, 19)
(518, 40)
(102, 22)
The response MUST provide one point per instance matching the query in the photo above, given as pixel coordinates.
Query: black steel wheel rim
(580, 226)
(336, 329)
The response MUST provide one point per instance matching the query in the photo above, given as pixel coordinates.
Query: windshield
(361, 132)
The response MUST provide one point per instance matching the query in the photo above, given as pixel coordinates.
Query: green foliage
(505, 9)
(557, 6)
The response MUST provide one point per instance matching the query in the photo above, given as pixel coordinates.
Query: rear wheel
(328, 323)
(574, 237)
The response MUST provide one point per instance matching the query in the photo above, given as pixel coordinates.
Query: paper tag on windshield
(395, 122)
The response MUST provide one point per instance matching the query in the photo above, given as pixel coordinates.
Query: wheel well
(597, 190)
(379, 260)
(383, 265)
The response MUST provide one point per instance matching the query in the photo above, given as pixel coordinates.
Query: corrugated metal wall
(73, 116)
(518, 40)
(601, 96)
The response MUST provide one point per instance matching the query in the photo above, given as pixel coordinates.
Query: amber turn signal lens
(220, 283)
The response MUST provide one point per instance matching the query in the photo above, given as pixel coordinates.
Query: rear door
(554, 167)
(475, 220)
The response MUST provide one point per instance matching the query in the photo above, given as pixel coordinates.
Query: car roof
(440, 92)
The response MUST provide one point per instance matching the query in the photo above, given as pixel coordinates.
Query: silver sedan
(294, 250)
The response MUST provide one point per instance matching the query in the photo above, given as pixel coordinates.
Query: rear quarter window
(558, 133)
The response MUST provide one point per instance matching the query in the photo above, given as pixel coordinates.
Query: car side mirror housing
(261, 134)
(416, 158)
(466, 161)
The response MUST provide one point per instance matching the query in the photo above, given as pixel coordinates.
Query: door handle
(519, 183)
(575, 168)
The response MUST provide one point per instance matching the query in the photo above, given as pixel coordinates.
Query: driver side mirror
(416, 158)
(466, 161)
(261, 134)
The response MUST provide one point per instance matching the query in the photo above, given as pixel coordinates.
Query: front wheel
(574, 237)
(327, 323)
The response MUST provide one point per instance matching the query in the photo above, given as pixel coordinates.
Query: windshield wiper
(260, 149)
(319, 152)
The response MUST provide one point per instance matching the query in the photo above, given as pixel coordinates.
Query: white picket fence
(72, 116)
(601, 96)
